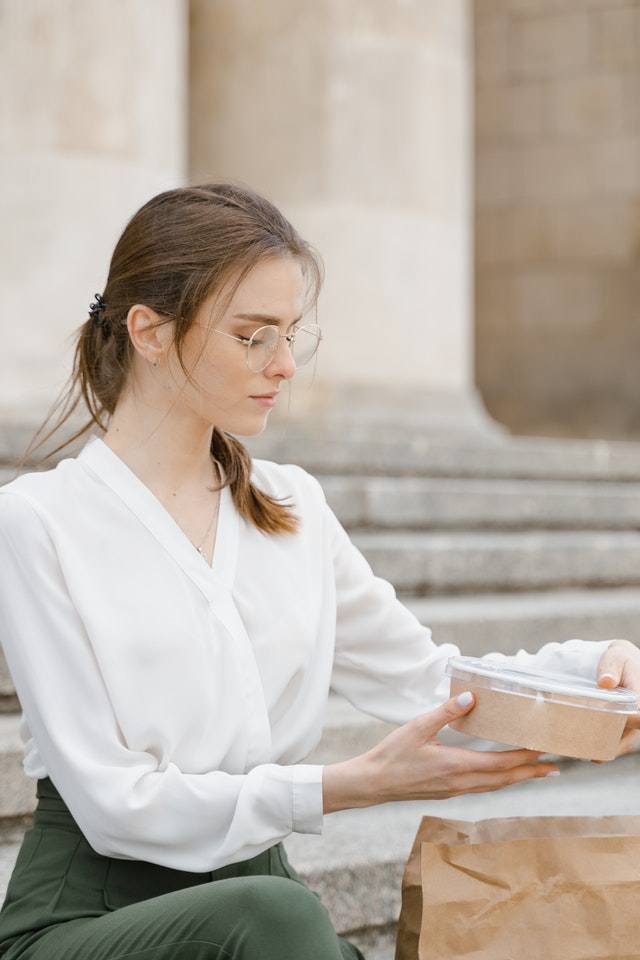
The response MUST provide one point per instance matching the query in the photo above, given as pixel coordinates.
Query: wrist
(349, 784)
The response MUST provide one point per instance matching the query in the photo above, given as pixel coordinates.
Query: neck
(167, 456)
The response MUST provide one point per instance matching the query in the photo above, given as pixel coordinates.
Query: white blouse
(173, 703)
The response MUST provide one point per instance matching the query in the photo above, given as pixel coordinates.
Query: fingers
(617, 659)
(431, 723)
(629, 741)
(456, 707)
(489, 771)
(470, 771)
(522, 762)
(620, 666)
(610, 668)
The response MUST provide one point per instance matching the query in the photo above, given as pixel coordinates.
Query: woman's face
(220, 389)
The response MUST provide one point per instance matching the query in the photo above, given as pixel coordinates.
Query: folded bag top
(531, 888)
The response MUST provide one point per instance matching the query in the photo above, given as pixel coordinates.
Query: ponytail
(266, 513)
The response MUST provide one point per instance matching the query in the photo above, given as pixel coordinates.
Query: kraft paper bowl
(552, 713)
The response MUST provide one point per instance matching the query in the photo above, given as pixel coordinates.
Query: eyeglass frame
(289, 337)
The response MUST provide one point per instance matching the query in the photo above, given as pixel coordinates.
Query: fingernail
(465, 699)
(553, 773)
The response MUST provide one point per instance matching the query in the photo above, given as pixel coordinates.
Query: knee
(279, 900)
(286, 912)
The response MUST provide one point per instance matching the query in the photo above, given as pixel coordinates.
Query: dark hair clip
(97, 309)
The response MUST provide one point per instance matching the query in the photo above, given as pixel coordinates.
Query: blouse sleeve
(125, 803)
(387, 662)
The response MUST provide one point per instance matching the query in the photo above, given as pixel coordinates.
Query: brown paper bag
(530, 888)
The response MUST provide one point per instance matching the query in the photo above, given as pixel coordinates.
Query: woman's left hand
(620, 667)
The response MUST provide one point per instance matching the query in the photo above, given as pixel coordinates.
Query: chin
(245, 429)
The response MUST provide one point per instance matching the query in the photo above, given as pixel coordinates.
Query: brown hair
(181, 247)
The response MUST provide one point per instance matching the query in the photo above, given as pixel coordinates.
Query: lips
(266, 399)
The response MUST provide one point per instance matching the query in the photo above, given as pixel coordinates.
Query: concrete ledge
(379, 451)
(17, 793)
(423, 503)
(506, 623)
(459, 562)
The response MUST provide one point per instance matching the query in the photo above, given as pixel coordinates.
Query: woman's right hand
(412, 764)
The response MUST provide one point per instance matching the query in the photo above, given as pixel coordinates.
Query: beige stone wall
(92, 123)
(558, 214)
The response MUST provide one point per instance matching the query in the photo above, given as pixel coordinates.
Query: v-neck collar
(106, 464)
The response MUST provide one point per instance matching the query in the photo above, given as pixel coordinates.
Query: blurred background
(470, 173)
(557, 215)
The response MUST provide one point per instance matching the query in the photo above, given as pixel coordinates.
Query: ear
(150, 334)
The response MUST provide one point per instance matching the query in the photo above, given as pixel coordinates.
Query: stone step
(458, 562)
(8, 701)
(381, 452)
(357, 864)
(479, 503)
(506, 623)
(537, 467)
(508, 482)
(17, 793)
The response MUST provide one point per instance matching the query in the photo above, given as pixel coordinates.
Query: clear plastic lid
(563, 688)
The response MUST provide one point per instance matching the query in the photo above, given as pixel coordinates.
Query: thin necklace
(200, 546)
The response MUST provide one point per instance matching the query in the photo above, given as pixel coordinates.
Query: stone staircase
(497, 543)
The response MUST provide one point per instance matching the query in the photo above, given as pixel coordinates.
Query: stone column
(356, 119)
(558, 216)
(92, 123)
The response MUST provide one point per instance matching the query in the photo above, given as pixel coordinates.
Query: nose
(282, 363)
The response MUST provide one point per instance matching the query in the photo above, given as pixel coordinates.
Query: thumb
(432, 722)
(459, 705)
(611, 666)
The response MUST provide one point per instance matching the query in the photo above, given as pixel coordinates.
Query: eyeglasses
(264, 342)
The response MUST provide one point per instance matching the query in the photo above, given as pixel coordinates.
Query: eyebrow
(264, 319)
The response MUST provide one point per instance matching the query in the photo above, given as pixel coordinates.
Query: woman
(174, 615)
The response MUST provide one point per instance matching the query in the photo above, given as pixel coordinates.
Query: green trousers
(66, 902)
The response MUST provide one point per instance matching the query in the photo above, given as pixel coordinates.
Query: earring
(156, 363)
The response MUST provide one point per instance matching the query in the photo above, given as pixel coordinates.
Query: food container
(549, 712)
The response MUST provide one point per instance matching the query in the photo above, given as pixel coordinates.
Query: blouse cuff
(307, 798)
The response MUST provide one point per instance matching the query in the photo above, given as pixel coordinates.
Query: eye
(265, 337)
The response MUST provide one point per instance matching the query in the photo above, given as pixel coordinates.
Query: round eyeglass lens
(262, 346)
(305, 343)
